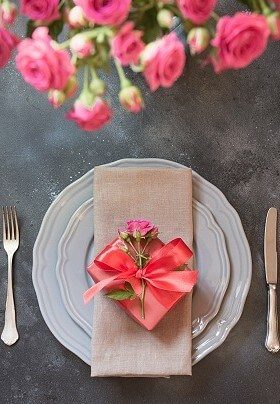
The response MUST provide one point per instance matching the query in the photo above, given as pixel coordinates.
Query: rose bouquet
(130, 33)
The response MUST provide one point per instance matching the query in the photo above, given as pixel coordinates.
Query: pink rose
(90, 118)
(81, 45)
(163, 61)
(142, 227)
(8, 42)
(131, 99)
(239, 40)
(198, 11)
(44, 10)
(105, 12)
(127, 45)
(41, 65)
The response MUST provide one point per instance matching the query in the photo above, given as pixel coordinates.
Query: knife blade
(270, 253)
(272, 342)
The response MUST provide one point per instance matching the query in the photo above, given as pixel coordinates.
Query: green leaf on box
(122, 294)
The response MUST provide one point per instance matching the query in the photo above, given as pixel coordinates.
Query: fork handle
(272, 337)
(10, 333)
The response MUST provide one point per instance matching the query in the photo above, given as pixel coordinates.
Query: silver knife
(270, 256)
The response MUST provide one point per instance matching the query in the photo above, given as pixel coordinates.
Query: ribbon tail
(91, 292)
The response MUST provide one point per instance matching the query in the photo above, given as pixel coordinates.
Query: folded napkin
(120, 346)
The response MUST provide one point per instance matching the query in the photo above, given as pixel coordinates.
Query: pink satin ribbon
(160, 273)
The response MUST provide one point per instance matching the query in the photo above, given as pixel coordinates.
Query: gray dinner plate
(75, 251)
(45, 257)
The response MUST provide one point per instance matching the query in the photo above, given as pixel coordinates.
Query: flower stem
(264, 7)
(215, 16)
(132, 246)
(86, 78)
(63, 45)
(94, 73)
(124, 82)
(145, 246)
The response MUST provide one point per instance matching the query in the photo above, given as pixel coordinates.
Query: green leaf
(121, 294)
(147, 22)
(55, 28)
(30, 27)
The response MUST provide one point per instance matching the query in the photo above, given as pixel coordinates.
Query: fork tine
(8, 234)
(4, 224)
(11, 214)
(16, 222)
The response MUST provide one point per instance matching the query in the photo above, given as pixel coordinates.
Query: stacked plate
(64, 248)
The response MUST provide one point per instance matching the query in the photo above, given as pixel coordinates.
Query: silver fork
(11, 243)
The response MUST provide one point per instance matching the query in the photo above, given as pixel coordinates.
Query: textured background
(227, 129)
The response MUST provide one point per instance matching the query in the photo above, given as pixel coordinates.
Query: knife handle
(272, 337)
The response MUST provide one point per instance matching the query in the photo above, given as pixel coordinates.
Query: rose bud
(137, 235)
(81, 46)
(76, 17)
(165, 18)
(273, 21)
(97, 86)
(123, 235)
(8, 12)
(56, 98)
(198, 40)
(131, 99)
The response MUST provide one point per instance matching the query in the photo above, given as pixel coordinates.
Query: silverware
(11, 243)
(270, 256)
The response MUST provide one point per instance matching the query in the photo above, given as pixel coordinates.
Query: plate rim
(36, 258)
(62, 259)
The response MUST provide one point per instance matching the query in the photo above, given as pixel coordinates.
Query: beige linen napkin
(120, 346)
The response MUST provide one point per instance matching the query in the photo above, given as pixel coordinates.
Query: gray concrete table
(226, 128)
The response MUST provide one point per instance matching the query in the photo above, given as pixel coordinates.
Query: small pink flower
(198, 11)
(76, 17)
(239, 40)
(56, 98)
(8, 42)
(131, 99)
(8, 13)
(163, 61)
(90, 118)
(81, 46)
(41, 65)
(165, 18)
(198, 40)
(127, 45)
(43, 10)
(142, 227)
(105, 12)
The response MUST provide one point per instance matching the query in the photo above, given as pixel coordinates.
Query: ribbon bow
(160, 274)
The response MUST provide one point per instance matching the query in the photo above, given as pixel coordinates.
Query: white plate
(75, 253)
(54, 224)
